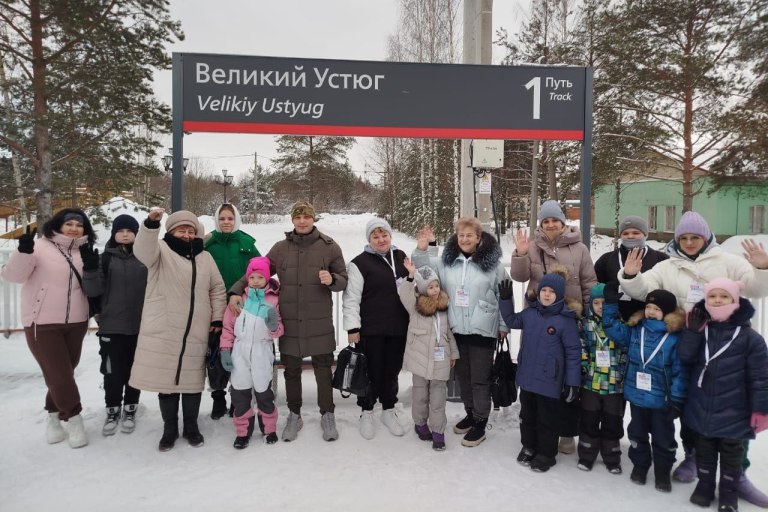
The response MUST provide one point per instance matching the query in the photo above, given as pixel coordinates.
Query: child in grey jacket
(430, 351)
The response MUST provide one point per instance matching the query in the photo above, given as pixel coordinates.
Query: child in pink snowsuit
(247, 350)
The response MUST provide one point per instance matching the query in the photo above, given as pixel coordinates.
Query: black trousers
(473, 371)
(601, 426)
(540, 417)
(730, 451)
(117, 352)
(659, 424)
(384, 355)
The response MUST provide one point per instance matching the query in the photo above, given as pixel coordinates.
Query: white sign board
(484, 187)
(487, 154)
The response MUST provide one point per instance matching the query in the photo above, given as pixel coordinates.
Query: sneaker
(54, 432)
(423, 432)
(271, 438)
(292, 427)
(367, 425)
(128, 422)
(76, 431)
(241, 442)
(614, 469)
(566, 445)
(438, 442)
(389, 419)
(639, 475)
(476, 434)
(328, 424)
(525, 456)
(111, 421)
(541, 464)
(463, 426)
(585, 465)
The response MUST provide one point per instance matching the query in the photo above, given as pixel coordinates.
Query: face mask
(721, 313)
(634, 243)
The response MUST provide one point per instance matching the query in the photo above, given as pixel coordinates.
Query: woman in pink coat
(54, 312)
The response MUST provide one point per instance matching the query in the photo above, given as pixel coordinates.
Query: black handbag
(351, 374)
(218, 377)
(503, 374)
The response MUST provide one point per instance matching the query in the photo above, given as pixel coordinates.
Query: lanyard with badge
(602, 355)
(439, 349)
(708, 359)
(696, 288)
(398, 280)
(461, 298)
(644, 379)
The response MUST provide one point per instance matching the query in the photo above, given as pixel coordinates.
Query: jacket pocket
(484, 319)
(551, 367)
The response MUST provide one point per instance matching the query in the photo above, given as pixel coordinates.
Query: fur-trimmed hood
(427, 306)
(486, 256)
(742, 316)
(675, 321)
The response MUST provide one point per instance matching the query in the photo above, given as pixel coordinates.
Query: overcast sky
(330, 29)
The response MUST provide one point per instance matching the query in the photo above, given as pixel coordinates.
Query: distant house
(654, 192)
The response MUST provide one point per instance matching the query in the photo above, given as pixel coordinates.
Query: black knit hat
(664, 300)
(125, 222)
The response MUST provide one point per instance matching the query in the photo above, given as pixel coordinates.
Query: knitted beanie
(184, 218)
(664, 300)
(425, 275)
(732, 287)
(634, 222)
(551, 210)
(125, 221)
(260, 265)
(375, 224)
(597, 292)
(691, 223)
(554, 281)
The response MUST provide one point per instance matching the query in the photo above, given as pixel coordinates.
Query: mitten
(27, 242)
(759, 421)
(90, 257)
(271, 319)
(570, 393)
(611, 292)
(226, 360)
(696, 319)
(505, 289)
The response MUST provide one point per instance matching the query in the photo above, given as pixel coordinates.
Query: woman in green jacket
(231, 249)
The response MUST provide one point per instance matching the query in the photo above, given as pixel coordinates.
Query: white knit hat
(374, 224)
(424, 276)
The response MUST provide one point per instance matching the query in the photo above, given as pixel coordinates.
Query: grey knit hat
(374, 224)
(634, 222)
(551, 210)
(424, 276)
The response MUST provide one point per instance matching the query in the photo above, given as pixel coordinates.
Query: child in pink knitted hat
(728, 387)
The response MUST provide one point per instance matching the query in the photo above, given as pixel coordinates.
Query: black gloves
(696, 319)
(611, 292)
(505, 289)
(27, 242)
(676, 408)
(570, 393)
(90, 257)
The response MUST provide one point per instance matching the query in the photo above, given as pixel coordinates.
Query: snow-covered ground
(127, 472)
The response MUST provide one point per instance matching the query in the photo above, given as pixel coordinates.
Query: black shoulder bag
(94, 303)
(351, 374)
(503, 375)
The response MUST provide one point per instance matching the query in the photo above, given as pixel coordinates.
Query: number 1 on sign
(536, 84)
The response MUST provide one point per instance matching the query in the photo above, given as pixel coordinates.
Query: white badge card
(603, 358)
(439, 353)
(643, 381)
(461, 299)
(695, 292)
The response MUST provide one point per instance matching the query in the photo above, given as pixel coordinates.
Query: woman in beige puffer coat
(184, 301)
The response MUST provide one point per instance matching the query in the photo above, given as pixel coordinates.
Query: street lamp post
(225, 180)
(177, 179)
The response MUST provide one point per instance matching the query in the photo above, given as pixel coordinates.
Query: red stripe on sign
(382, 131)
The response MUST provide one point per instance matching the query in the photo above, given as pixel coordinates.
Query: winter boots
(704, 494)
(663, 478)
(111, 421)
(76, 432)
(389, 419)
(328, 424)
(128, 422)
(686, 471)
(423, 432)
(525, 456)
(219, 408)
(292, 427)
(476, 434)
(567, 445)
(639, 475)
(542, 463)
(169, 410)
(463, 426)
(748, 492)
(190, 408)
(244, 426)
(54, 432)
(728, 497)
(438, 442)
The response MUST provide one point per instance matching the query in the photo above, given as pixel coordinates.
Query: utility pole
(478, 25)
(534, 206)
(255, 187)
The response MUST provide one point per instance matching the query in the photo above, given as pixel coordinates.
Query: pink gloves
(759, 421)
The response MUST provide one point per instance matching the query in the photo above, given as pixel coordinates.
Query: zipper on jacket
(189, 318)
(69, 285)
